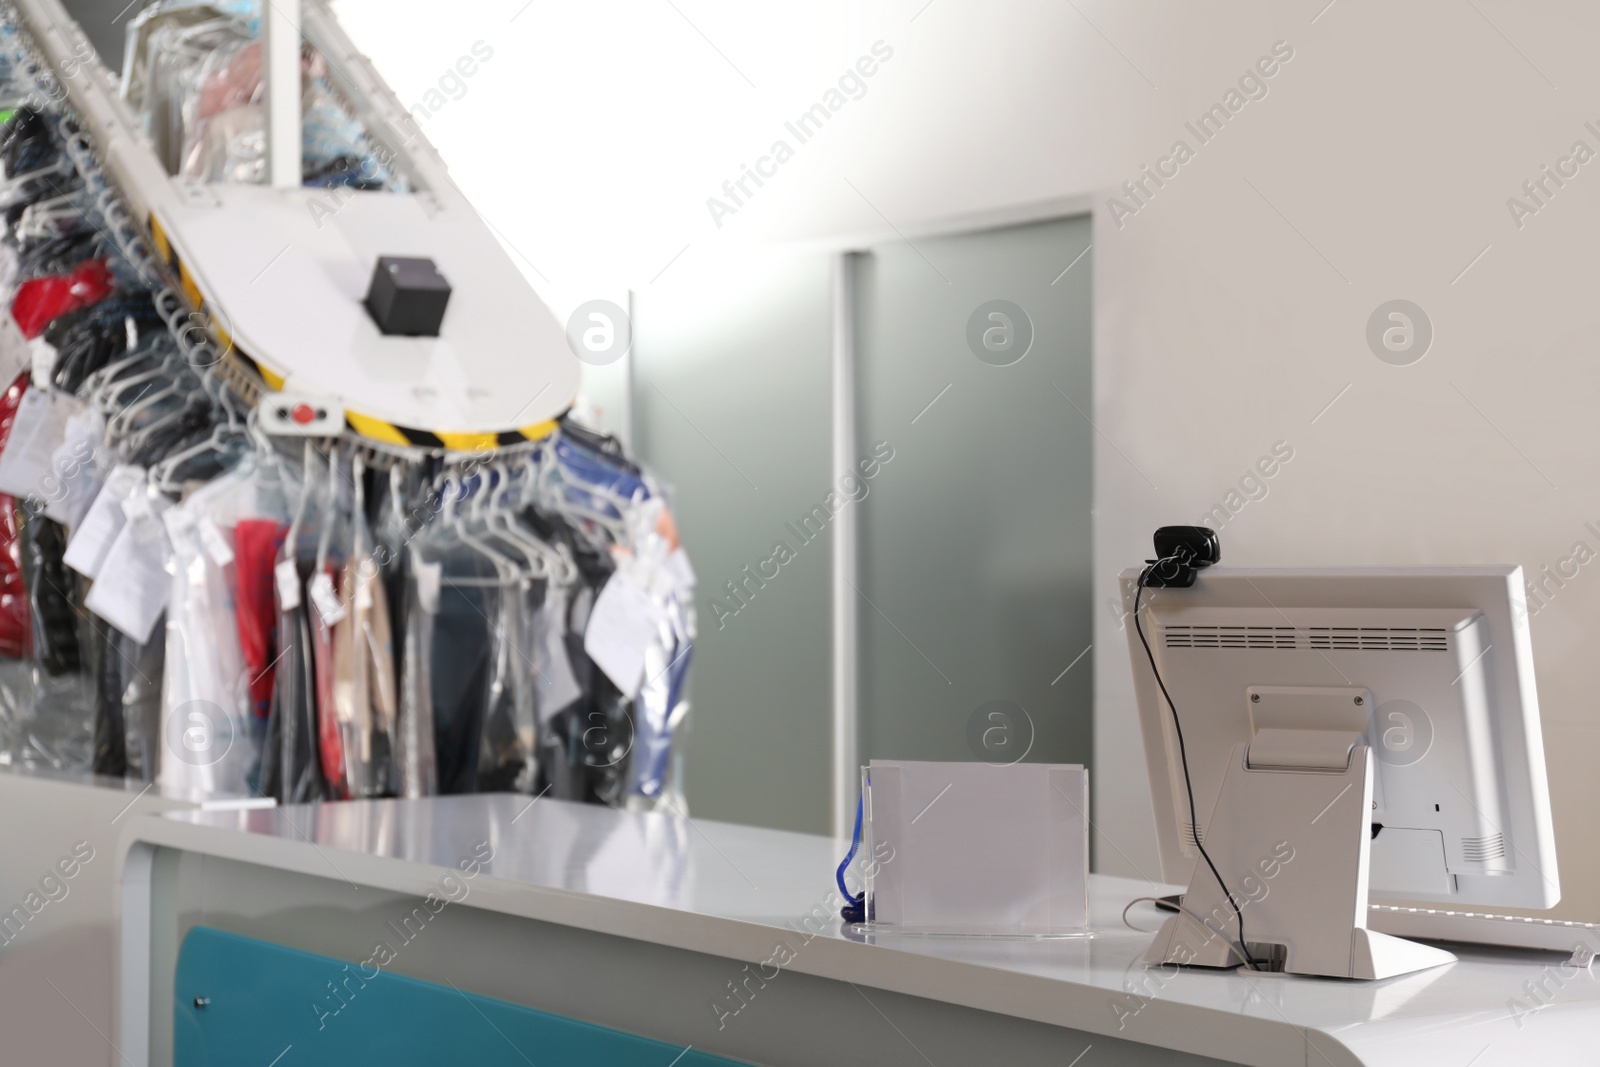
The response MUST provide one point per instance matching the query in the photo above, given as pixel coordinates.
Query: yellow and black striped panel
(365, 425)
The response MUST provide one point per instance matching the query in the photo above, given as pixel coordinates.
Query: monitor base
(1293, 844)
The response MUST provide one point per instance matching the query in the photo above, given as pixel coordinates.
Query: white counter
(738, 892)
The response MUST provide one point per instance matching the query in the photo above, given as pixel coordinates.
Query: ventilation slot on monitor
(1231, 637)
(1483, 849)
(1187, 830)
(1376, 639)
(1314, 638)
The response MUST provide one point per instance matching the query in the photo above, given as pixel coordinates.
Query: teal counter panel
(241, 1002)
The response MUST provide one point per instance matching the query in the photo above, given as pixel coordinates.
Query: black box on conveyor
(407, 297)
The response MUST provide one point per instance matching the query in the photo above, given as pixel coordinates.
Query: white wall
(1230, 311)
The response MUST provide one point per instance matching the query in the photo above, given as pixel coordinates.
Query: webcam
(1180, 553)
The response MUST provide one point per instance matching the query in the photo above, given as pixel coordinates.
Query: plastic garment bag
(364, 698)
(412, 589)
(10, 265)
(192, 72)
(205, 698)
(88, 339)
(585, 750)
(41, 300)
(462, 661)
(58, 726)
(141, 668)
(523, 657)
(571, 741)
(256, 547)
(290, 768)
(363, 681)
(50, 584)
(34, 166)
(14, 622)
(330, 733)
(415, 760)
(229, 78)
(237, 518)
(127, 690)
(55, 255)
(307, 577)
(27, 144)
(662, 704)
(508, 753)
(555, 684)
(508, 740)
(110, 728)
(168, 45)
(225, 125)
(592, 741)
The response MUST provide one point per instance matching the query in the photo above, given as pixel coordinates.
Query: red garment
(40, 300)
(330, 742)
(256, 543)
(15, 632)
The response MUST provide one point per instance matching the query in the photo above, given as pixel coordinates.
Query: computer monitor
(1460, 806)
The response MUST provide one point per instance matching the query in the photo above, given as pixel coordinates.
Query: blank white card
(978, 848)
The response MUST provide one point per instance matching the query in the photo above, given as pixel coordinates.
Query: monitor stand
(1291, 834)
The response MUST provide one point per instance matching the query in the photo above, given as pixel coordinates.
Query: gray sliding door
(975, 542)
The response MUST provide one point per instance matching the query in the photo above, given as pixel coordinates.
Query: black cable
(1183, 756)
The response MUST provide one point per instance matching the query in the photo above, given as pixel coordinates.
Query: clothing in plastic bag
(363, 681)
(39, 300)
(206, 699)
(461, 664)
(57, 729)
(291, 770)
(14, 622)
(415, 738)
(364, 672)
(142, 667)
(330, 734)
(411, 587)
(508, 755)
(127, 681)
(257, 544)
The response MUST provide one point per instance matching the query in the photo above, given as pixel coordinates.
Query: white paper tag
(136, 506)
(325, 599)
(74, 476)
(134, 593)
(621, 628)
(40, 426)
(557, 684)
(216, 542)
(178, 521)
(151, 523)
(93, 536)
(682, 573)
(430, 576)
(287, 576)
(14, 355)
(363, 591)
(42, 361)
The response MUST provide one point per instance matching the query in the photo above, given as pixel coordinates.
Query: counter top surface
(739, 891)
(111, 783)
